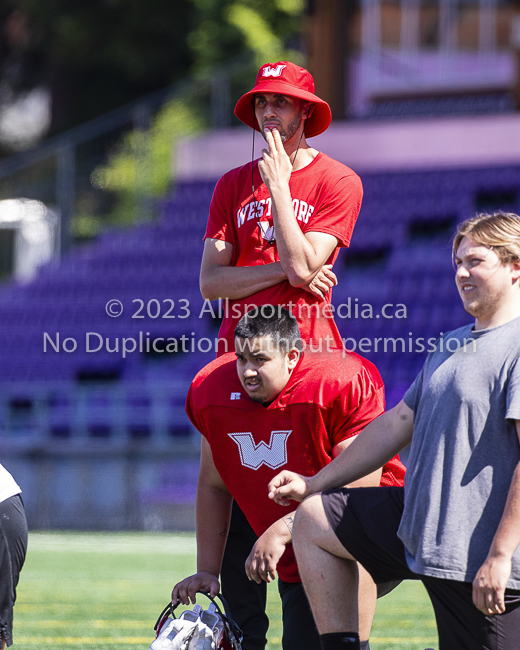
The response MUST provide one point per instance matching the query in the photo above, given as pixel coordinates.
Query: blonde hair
(499, 231)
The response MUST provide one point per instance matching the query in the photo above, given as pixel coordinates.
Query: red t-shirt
(329, 398)
(326, 198)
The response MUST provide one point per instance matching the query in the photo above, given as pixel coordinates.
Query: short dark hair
(272, 320)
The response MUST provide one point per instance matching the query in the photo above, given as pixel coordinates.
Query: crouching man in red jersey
(267, 407)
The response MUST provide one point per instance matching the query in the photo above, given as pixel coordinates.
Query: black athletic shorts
(13, 546)
(246, 598)
(366, 520)
(299, 629)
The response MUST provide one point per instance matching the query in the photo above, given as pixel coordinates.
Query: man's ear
(308, 111)
(293, 357)
(515, 267)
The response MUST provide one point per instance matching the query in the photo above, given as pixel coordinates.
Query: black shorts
(13, 546)
(246, 598)
(299, 629)
(366, 520)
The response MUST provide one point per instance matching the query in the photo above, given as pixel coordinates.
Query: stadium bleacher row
(400, 255)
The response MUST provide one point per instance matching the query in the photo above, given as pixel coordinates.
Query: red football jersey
(329, 397)
(326, 198)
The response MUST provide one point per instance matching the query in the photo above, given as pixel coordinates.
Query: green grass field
(105, 591)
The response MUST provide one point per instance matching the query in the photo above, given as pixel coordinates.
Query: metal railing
(41, 415)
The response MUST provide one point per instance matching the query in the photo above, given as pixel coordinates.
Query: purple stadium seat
(396, 256)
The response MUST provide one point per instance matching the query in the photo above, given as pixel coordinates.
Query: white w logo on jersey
(272, 72)
(255, 455)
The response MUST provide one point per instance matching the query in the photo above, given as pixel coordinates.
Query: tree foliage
(97, 55)
(100, 54)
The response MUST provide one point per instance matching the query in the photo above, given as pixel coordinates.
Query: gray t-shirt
(464, 451)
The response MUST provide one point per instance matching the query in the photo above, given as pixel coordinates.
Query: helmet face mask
(198, 628)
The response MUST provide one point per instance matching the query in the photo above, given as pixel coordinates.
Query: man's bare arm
(268, 549)
(213, 514)
(220, 280)
(370, 480)
(301, 255)
(491, 580)
(380, 441)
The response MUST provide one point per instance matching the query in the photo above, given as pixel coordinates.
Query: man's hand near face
(275, 166)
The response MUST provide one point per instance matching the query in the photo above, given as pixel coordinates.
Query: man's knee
(313, 529)
(309, 520)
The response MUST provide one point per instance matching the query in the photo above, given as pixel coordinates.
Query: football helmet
(197, 628)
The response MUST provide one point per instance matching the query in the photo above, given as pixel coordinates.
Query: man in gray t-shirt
(458, 527)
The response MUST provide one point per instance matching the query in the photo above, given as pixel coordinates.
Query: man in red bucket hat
(274, 231)
(276, 224)
(286, 79)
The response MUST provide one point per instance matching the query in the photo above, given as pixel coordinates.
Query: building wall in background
(366, 146)
(379, 49)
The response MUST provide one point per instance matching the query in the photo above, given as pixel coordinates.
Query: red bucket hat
(286, 78)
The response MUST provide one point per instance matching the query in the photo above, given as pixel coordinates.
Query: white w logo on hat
(254, 456)
(272, 72)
